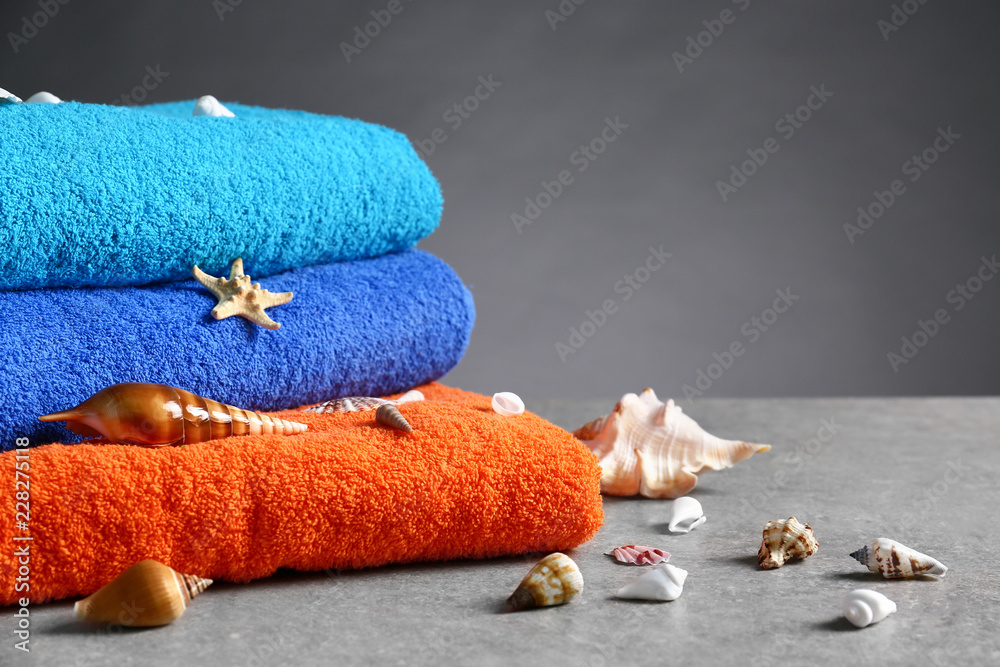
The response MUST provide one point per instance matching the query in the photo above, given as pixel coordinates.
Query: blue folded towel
(368, 327)
(95, 195)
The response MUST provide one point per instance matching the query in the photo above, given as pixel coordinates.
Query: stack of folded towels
(104, 212)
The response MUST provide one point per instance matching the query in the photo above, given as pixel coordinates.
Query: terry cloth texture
(368, 327)
(95, 195)
(347, 493)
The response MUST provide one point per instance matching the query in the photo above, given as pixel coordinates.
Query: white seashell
(663, 583)
(863, 606)
(43, 98)
(209, 106)
(554, 580)
(685, 515)
(897, 561)
(507, 404)
(8, 98)
(654, 449)
(410, 396)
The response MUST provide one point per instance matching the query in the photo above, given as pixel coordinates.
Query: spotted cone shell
(554, 580)
(897, 561)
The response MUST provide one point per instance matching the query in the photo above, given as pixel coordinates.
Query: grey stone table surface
(922, 471)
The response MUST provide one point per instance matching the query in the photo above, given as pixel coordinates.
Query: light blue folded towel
(95, 195)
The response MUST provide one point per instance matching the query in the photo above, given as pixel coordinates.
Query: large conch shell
(863, 606)
(784, 540)
(554, 580)
(654, 449)
(146, 594)
(155, 415)
(897, 561)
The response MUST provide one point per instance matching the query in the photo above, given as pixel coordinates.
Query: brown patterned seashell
(897, 561)
(784, 540)
(554, 580)
(389, 415)
(652, 448)
(156, 415)
(362, 403)
(146, 594)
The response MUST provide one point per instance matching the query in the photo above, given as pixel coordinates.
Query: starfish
(238, 297)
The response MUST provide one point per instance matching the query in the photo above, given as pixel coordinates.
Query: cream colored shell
(898, 561)
(652, 448)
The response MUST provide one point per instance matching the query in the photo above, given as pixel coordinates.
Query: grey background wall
(892, 79)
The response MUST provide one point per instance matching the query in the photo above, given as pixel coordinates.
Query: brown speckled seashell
(897, 561)
(784, 540)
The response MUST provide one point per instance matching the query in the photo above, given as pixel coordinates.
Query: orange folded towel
(347, 493)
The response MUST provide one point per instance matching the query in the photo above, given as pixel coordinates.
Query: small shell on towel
(652, 448)
(663, 583)
(411, 396)
(863, 606)
(634, 554)
(389, 415)
(237, 296)
(8, 98)
(685, 515)
(554, 580)
(207, 105)
(146, 594)
(897, 561)
(43, 98)
(784, 540)
(362, 403)
(155, 415)
(507, 404)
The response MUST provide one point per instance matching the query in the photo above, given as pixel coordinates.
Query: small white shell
(209, 106)
(507, 404)
(43, 98)
(663, 583)
(8, 98)
(411, 396)
(685, 515)
(863, 606)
